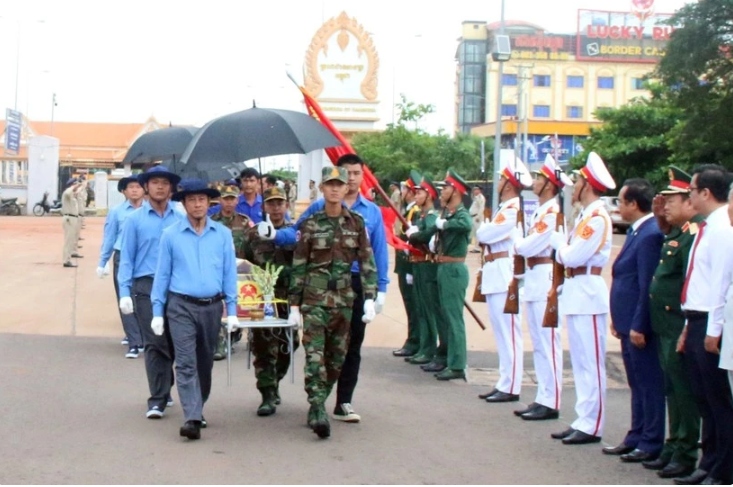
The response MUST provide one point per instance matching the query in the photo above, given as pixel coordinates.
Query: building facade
(554, 83)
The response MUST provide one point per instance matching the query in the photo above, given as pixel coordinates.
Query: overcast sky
(187, 62)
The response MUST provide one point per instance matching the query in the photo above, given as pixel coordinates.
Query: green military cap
(427, 184)
(414, 180)
(679, 181)
(274, 193)
(229, 192)
(452, 178)
(334, 173)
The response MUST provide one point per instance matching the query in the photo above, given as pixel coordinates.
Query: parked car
(619, 224)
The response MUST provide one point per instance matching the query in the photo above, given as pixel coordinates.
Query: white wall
(43, 170)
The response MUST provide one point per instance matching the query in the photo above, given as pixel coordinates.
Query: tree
(391, 154)
(698, 68)
(634, 140)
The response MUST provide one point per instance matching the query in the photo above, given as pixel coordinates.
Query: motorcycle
(43, 206)
(9, 206)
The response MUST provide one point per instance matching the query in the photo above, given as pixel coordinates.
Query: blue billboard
(13, 121)
(562, 148)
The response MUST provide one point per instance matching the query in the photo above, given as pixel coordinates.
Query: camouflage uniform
(270, 345)
(238, 224)
(321, 285)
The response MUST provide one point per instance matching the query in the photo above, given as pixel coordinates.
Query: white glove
(369, 311)
(232, 323)
(126, 306)
(408, 280)
(157, 325)
(410, 230)
(101, 272)
(431, 244)
(294, 316)
(382, 297)
(558, 239)
(440, 223)
(266, 230)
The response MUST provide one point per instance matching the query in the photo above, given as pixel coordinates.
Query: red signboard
(637, 36)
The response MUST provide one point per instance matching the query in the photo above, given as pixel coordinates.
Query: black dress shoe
(580, 438)
(675, 470)
(695, 478)
(77, 256)
(490, 393)
(657, 464)
(519, 412)
(541, 413)
(433, 367)
(69, 264)
(191, 430)
(403, 352)
(637, 456)
(503, 397)
(562, 434)
(621, 449)
(712, 481)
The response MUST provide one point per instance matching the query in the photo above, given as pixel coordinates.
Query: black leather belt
(75, 216)
(199, 301)
(695, 315)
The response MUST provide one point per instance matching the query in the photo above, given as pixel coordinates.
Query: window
(473, 52)
(605, 82)
(472, 79)
(574, 112)
(542, 80)
(509, 79)
(637, 83)
(575, 81)
(509, 110)
(14, 173)
(541, 111)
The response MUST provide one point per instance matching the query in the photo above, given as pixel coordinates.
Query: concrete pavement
(74, 408)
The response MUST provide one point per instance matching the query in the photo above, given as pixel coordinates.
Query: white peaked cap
(596, 173)
(516, 172)
(549, 170)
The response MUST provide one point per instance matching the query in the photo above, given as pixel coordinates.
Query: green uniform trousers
(428, 301)
(271, 357)
(682, 413)
(452, 284)
(413, 316)
(326, 341)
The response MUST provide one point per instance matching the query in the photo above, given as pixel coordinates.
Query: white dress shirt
(712, 271)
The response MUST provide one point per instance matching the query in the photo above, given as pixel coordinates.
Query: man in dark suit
(632, 275)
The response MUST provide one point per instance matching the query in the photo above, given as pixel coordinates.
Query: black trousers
(159, 353)
(350, 370)
(712, 393)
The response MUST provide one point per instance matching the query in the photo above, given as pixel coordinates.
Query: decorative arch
(342, 26)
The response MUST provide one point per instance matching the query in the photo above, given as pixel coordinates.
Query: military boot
(320, 424)
(267, 408)
(221, 347)
(277, 395)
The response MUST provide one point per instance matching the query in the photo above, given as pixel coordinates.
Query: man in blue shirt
(196, 270)
(138, 260)
(250, 201)
(354, 201)
(111, 244)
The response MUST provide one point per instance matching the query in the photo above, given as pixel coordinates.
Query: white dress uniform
(496, 236)
(726, 347)
(546, 342)
(585, 301)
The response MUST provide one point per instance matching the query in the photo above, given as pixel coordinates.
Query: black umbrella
(254, 133)
(162, 144)
(213, 173)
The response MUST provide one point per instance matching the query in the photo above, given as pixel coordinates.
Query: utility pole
(53, 106)
(497, 133)
(523, 75)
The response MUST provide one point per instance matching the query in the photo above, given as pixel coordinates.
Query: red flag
(314, 109)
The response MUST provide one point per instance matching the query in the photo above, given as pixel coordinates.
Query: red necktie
(691, 266)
